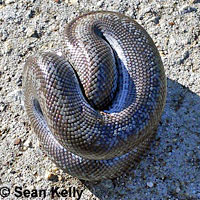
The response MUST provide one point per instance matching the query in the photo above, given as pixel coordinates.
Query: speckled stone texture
(171, 170)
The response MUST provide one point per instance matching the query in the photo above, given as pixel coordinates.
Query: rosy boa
(96, 109)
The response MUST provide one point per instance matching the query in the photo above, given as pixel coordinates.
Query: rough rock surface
(172, 168)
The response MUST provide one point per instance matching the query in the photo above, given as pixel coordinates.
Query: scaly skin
(96, 111)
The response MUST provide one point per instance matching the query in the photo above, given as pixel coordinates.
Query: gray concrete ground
(172, 168)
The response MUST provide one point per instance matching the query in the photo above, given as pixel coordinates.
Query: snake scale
(95, 110)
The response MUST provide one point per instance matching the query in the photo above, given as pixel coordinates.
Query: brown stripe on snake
(95, 110)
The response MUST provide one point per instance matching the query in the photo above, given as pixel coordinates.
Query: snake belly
(95, 110)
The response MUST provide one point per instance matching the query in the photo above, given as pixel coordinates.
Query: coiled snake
(96, 110)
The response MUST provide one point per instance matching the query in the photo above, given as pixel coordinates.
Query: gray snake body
(96, 112)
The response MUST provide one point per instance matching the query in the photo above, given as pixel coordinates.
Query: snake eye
(37, 107)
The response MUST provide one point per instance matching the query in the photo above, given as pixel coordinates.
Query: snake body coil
(96, 112)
